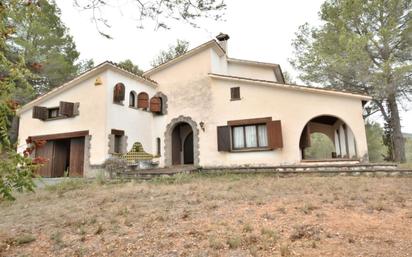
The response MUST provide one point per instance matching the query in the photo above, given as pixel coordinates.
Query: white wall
(137, 123)
(92, 116)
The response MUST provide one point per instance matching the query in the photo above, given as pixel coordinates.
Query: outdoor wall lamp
(202, 126)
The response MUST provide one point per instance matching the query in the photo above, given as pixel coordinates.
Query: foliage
(16, 170)
(321, 147)
(362, 46)
(41, 37)
(289, 79)
(162, 12)
(408, 147)
(376, 147)
(130, 66)
(172, 52)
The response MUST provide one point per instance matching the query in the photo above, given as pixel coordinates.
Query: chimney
(222, 39)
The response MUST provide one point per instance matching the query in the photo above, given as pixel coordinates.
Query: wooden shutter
(66, 109)
(274, 129)
(40, 112)
(305, 138)
(119, 92)
(155, 105)
(235, 93)
(143, 100)
(223, 138)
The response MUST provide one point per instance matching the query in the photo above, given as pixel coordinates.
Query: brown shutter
(155, 105)
(66, 109)
(223, 138)
(275, 134)
(143, 100)
(235, 93)
(119, 92)
(305, 138)
(40, 113)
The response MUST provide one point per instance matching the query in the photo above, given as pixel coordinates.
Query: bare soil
(227, 215)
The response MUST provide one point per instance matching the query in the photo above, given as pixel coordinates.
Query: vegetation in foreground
(226, 215)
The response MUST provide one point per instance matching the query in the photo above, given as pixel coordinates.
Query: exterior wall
(188, 89)
(193, 94)
(292, 107)
(251, 71)
(136, 123)
(92, 116)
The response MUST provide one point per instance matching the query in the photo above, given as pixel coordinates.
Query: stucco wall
(92, 117)
(137, 123)
(193, 94)
(251, 71)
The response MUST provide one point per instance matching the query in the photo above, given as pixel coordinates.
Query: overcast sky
(260, 30)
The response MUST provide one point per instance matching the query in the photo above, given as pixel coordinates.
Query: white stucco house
(203, 108)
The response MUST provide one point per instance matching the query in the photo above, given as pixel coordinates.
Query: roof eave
(288, 86)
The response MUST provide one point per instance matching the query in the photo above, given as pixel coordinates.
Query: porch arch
(337, 130)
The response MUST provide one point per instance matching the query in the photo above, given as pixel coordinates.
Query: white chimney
(222, 39)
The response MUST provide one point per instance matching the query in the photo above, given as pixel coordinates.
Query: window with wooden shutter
(119, 93)
(66, 109)
(235, 93)
(143, 100)
(40, 113)
(223, 138)
(156, 105)
(275, 134)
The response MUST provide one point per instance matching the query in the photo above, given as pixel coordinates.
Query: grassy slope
(213, 216)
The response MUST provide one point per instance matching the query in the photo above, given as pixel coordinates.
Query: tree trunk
(397, 136)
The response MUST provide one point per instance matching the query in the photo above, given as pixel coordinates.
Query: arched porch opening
(336, 135)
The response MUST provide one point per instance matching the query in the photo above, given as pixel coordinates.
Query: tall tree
(49, 51)
(363, 46)
(130, 66)
(172, 52)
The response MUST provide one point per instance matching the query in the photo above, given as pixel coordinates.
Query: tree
(289, 79)
(49, 51)
(172, 52)
(362, 46)
(130, 66)
(374, 136)
(321, 147)
(16, 170)
(162, 12)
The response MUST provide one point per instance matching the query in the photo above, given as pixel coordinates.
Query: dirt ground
(227, 215)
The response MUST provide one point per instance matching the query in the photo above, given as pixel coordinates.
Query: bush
(115, 164)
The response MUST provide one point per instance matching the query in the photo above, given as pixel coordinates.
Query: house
(202, 108)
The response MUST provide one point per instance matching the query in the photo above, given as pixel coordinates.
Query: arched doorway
(181, 142)
(337, 137)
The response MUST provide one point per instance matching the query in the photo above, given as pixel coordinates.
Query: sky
(262, 31)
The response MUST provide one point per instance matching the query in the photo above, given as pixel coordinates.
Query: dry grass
(226, 215)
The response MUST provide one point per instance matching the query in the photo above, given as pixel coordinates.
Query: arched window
(132, 99)
(118, 93)
(156, 104)
(143, 100)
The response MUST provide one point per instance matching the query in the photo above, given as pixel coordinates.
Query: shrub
(115, 164)
(234, 242)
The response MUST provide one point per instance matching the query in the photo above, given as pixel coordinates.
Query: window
(158, 153)
(64, 110)
(235, 93)
(156, 104)
(117, 144)
(250, 136)
(143, 100)
(132, 99)
(118, 93)
(53, 113)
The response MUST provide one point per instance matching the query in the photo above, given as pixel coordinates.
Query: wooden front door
(60, 158)
(46, 151)
(76, 157)
(188, 149)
